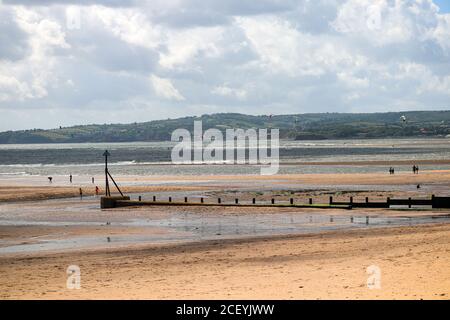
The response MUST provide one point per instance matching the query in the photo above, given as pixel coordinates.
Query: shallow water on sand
(178, 225)
(154, 158)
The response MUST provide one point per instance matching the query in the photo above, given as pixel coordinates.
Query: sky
(444, 5)
(73, 62)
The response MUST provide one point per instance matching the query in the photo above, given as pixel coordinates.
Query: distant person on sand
(70, 178)
(417, 169)
(414, 169)
(97, 190)
(81, 194)
(93, 180)
(50, 179)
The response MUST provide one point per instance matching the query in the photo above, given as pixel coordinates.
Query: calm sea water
(153, 158)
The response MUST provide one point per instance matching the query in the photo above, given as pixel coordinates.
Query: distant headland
(310, 126)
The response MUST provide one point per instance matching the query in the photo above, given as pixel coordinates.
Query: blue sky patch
(444, 5)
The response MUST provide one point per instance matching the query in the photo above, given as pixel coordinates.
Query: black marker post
(107, 174)
(107, 191)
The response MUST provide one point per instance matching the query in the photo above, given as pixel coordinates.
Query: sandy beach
(225, 253)
(229, 150)
(413, 262)
(37, 188)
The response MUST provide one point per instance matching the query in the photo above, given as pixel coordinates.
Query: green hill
(301, 126)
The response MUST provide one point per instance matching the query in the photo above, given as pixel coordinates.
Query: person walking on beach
(417, 169)
(70, 178)
(50, 179)
(93, 180)
(81, 193)
(96, 191)
(414, 169)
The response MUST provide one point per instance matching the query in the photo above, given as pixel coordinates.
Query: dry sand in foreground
(414, 264)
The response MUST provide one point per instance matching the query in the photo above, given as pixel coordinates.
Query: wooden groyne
(108, 201)
(434, 202)
(117, 202)
(124, 201)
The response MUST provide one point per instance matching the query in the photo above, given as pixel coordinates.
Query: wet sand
(328, 263)
(27, 193)
(37, 188)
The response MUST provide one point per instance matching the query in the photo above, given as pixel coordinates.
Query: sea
(154, 158)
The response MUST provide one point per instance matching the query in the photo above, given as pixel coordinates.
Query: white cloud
(224, 90)
(130, 25)
(11, 88)
(165, 89)
(31, 76)
(442, 32)
(386, 22)
(352, 81)
(427, 82)
(184, 45)
(219, 56)
(284, 49)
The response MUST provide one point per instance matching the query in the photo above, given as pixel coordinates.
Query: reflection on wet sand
(75, 225)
